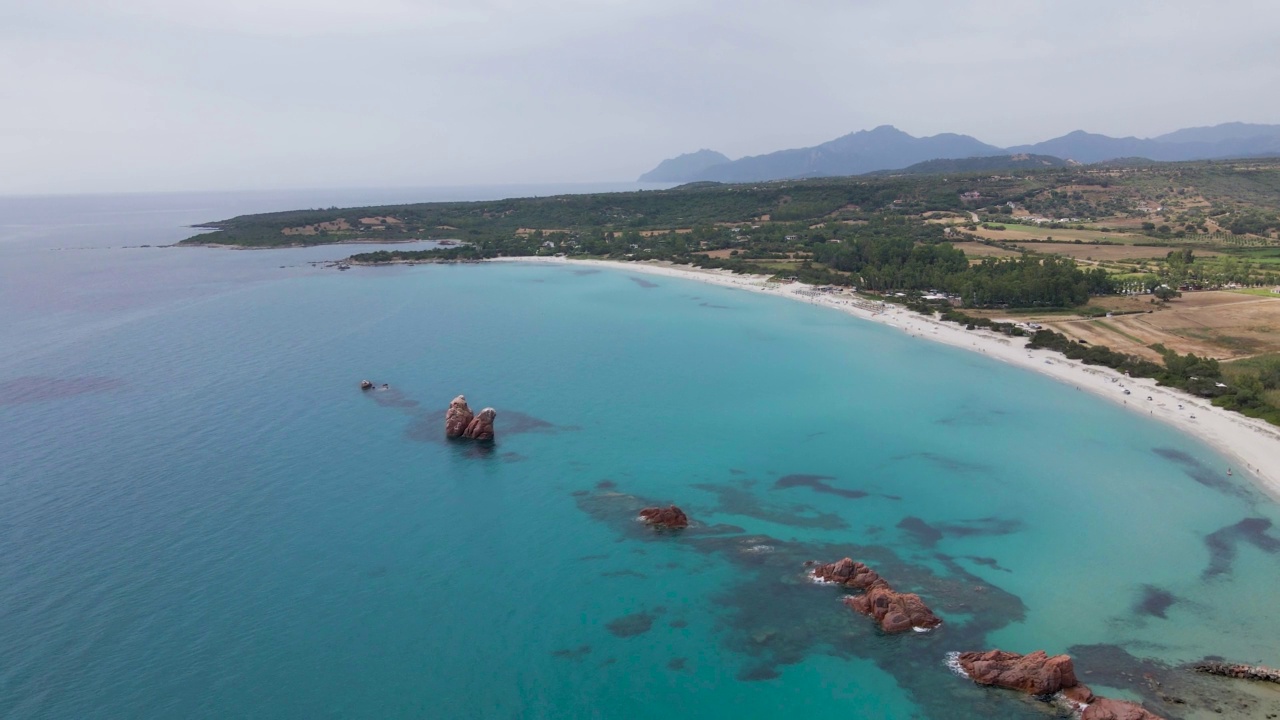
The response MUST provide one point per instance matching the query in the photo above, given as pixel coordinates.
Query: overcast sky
(133, 95)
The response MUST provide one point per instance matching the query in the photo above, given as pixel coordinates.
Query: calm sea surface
(201, 516)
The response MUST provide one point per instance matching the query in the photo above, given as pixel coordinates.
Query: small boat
(344, 266)
(366, 385)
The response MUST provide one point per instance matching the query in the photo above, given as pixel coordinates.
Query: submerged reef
(1173, 691)
(1222, 544)
(769, 615)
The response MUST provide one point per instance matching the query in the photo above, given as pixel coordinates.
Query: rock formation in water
(1039, 674)
(1243, 672)
(1035, 673)
(1106, 709)
(849, 573)
(457, 417)
(896, 612)
(672, 518)
(481, 426)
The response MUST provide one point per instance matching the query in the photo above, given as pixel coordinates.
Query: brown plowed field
(1218, 324)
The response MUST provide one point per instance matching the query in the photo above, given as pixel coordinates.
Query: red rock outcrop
(1079, 694)
(849, 573)
(896, 612)
(1038, 674)
(481, 426)
(457, 417)
(672, 518)
(1104, 709)
(1034, 673)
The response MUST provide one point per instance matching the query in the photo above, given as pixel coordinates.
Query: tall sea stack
(457, 418)
(481, 427)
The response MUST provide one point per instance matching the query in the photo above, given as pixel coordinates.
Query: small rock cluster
(460, 422)
(895, 612)
(671, 518)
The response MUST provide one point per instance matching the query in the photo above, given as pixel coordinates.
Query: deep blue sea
(202, 516)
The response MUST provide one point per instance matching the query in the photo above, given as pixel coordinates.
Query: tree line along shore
(1009, 252)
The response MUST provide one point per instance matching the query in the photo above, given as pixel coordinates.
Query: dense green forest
(1244, 196)
(870, 232)
(885, 253)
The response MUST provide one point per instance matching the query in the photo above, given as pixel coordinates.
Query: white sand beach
(1252, 445)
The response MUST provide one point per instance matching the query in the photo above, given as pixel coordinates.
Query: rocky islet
(670, 518)
(461, 422)
(895, 612)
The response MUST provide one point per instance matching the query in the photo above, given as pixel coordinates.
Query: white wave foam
(953, 664)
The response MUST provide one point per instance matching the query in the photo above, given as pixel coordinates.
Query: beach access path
(1252, 445)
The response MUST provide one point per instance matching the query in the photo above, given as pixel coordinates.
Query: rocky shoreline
(1259, 673)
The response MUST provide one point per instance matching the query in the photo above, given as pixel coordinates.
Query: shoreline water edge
(1253, 444)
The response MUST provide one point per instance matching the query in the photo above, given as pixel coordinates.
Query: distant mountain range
(887, 148)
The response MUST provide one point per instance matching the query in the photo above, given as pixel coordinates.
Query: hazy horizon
(151, 96)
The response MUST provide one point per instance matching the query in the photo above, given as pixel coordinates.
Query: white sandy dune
(1253, 445)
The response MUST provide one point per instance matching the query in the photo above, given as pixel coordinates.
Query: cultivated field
(1014, 233)
(1217, 324)
(981, 250)
(1106, 252)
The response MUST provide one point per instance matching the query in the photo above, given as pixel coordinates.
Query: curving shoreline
(1252, 445)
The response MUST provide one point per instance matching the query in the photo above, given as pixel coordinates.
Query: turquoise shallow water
(203, 517)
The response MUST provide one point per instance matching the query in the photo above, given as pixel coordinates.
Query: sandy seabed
(1254, 445)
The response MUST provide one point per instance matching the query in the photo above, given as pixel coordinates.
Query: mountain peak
(684, 167)
(885, 147)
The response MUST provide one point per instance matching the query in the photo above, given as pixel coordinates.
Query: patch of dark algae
(1173, 691)
(772, 615)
